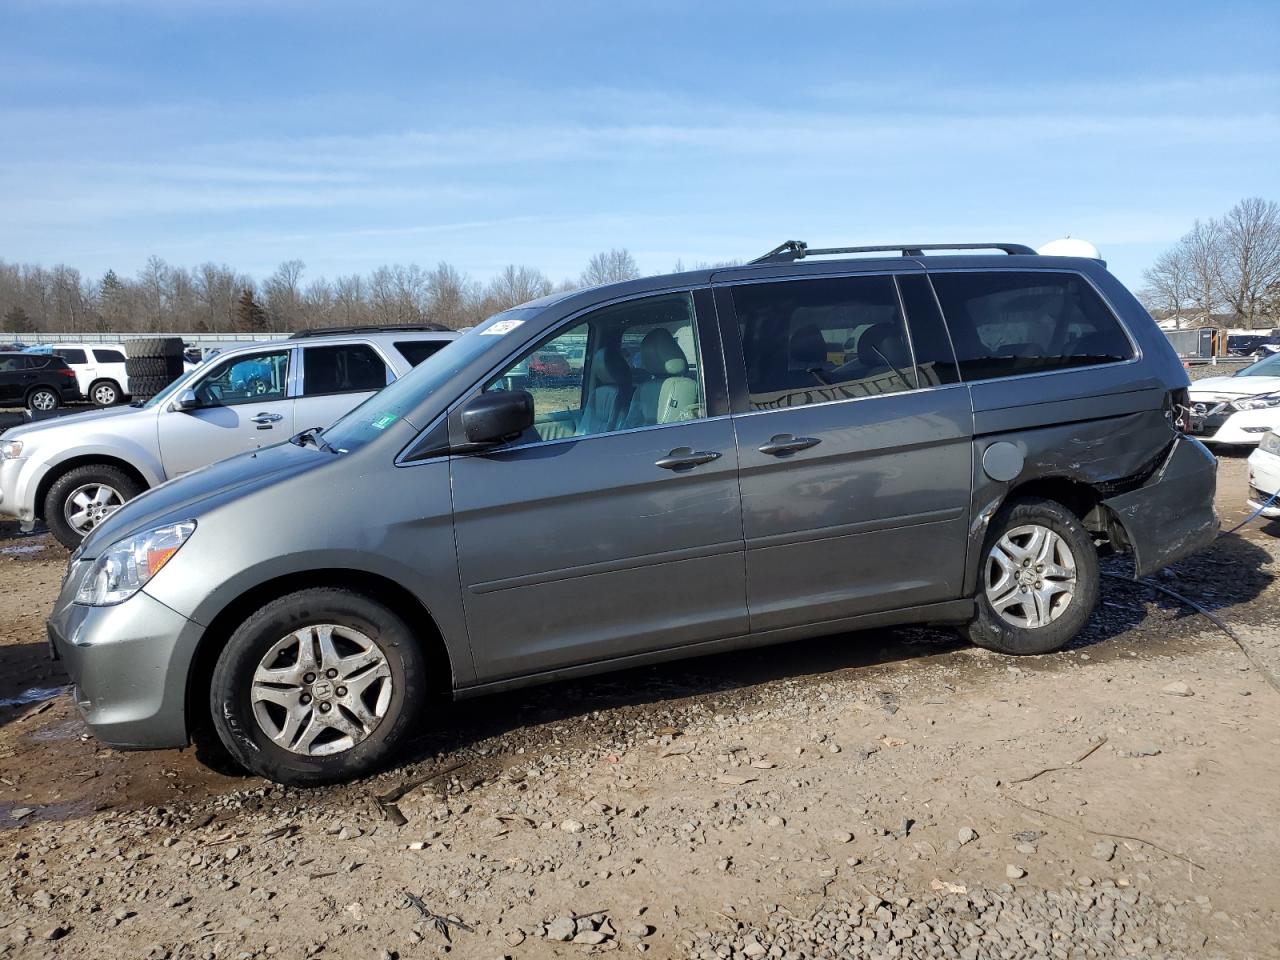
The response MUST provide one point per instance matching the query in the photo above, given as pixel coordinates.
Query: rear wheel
(320, 686)
(82, 498)
(43, 400)
(105, 393)
(1038, 583)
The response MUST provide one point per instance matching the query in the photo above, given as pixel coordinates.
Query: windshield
(1267, 367)
(171, 389)
(390, 404)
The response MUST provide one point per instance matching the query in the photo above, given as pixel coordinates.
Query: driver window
(257, 378)
(625, 366)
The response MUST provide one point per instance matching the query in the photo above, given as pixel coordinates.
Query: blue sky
(351, 135)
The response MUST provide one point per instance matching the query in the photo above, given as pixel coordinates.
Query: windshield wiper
(312, 436)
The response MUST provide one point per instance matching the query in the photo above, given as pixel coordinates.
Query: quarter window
(415, 351)
(1008, 323)
(344, 368)
(815, 341)
(256, 378)
(630, 365)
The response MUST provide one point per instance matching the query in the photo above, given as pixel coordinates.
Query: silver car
(747, 455)
(76, 471)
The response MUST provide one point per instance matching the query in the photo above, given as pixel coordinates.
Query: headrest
(609, 368)
(881, 344)
(661, 355)
(808, 346)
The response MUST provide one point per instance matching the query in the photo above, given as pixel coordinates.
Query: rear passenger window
(415, 351)
(345, 368)
(73, 356)
(108, 356)
(815, 341)
(1008, 323)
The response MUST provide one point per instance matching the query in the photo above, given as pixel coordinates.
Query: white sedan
(1264, 475)
(1239, 409)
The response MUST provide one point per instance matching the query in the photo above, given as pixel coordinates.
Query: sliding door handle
(784, 444)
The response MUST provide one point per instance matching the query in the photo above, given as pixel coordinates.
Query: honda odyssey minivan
(813, 443)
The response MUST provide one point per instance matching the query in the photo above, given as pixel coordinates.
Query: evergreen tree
(17, 321)
(250, 317)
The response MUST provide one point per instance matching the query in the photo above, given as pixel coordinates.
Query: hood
(1225, 388)
(195, 494)
(42, 428)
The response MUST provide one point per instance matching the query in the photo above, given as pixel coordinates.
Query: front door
(614, 526)
(855, 453)
(244, 405)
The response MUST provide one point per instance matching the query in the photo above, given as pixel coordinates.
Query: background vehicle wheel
(1038, 583)
(320, 686)
(105, 393)
(82, 498)
(43, 400)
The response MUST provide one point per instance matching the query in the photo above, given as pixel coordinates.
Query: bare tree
(1166, 280)
(282, 292)
(450, 296)
(514, 286)
(1249, 256)
(610, 266)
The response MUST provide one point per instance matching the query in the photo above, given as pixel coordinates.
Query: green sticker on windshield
(384, 421)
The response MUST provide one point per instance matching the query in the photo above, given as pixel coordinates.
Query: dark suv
(809, 444)
(41, 383)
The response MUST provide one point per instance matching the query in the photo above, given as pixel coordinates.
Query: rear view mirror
(186, 400)
(497, 416)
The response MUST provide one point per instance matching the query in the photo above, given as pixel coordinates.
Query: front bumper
(1243, 427)
(1264, 481)
(1172, 515)
(129, 663)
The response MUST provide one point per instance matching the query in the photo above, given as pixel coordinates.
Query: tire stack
(152, 363)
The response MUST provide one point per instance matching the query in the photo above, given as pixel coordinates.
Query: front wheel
(82, 498)
(320, 686)
(1038, 583)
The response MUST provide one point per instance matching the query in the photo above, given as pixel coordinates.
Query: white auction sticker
(501, 327)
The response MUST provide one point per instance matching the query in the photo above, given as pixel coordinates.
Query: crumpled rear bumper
(1172, 515)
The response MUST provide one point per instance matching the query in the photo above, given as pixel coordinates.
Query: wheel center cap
(322, 689)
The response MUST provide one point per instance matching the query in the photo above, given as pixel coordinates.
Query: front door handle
(266, 419)
(784, 444)
(685, 458)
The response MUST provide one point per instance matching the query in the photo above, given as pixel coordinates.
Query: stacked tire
(152, 363)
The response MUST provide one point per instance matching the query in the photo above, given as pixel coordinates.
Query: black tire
(105, 393)
(233, 713)
(146, 367)
(144, 388)
(153, 347)
(43, 400)
(989, 629)
(55, 514)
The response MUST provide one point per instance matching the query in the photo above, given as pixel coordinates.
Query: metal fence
(192, 339)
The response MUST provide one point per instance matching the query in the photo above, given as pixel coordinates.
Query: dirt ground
(889, 793)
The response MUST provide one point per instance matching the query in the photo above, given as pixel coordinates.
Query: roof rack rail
(371, 328)
(793, 250)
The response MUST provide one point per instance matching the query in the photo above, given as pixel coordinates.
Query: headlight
(128, 564)
(11, 450)
(1271, 443)
(1257, 403)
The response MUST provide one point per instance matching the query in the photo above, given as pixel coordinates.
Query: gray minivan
(810, 444)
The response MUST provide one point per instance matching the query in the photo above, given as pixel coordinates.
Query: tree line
(214, 297)
(1224, 272)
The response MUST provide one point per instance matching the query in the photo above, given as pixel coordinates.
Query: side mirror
(497, 416)
(186, 400)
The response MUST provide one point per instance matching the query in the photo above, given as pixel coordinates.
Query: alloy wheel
(89, 505)
(44, 401)
(1030, 576)
(321, 690)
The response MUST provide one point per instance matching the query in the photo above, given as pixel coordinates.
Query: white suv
(74, 471)
(99, 367)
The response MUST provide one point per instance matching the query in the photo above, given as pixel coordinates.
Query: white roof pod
(1070, 247)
